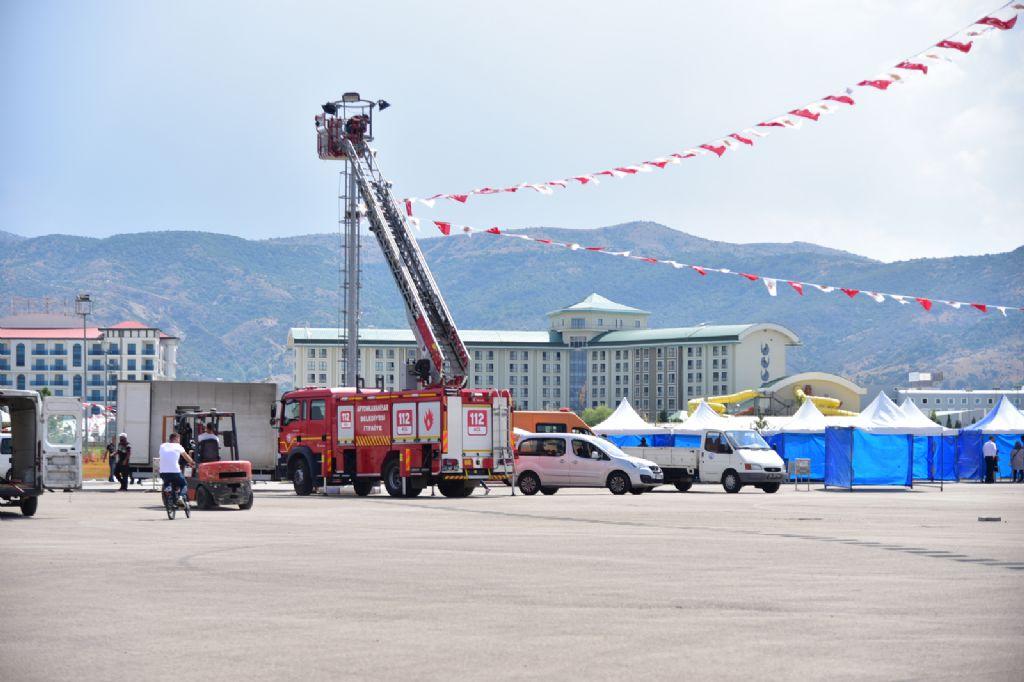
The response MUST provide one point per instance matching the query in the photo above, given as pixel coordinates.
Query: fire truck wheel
(392, 478)
(301, 478)
(529, 484)
(362, 487)
(29, 506)
(204, 500)
(412, 492)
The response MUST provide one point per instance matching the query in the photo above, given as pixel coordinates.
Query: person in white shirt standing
(170, 470)
(991, 452)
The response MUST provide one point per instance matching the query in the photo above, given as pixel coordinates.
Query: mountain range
(232, 300)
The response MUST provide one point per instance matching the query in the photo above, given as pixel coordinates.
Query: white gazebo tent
(625, 427)
(1006, 424)
(802, 436)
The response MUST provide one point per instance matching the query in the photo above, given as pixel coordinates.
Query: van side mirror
(273, 414)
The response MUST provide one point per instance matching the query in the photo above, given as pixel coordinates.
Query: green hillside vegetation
(232, 300)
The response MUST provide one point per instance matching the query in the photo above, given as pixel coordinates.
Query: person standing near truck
(112, 458)
(124, 455)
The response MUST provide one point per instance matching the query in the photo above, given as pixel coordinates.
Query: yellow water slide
(718, 402)
(827, 406)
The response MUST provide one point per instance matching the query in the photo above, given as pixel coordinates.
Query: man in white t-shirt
(170, 470)
(991, 452)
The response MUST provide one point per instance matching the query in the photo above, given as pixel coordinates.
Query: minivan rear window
(542, 447)
(550, 428)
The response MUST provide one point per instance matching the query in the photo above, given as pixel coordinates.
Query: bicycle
(171, 495)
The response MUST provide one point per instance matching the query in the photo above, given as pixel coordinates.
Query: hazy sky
(131, 116)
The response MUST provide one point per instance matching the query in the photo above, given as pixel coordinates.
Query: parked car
(547, 462)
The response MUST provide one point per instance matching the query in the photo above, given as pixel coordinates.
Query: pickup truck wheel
(362, 487)
(548, 490)
(770, 487)
(29, 505)
(683, 486)
(529, 484)
(731, 481)
(204, 500)
(392, 478)
(619, 483)
(302, 480)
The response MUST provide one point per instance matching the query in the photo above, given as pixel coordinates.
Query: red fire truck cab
(450, 437)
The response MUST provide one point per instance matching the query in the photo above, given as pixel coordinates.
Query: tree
(44, 392)
(595, 415)
(958, 425)
(760, 423)
(662, 416)
(934, 417)
(949, 421)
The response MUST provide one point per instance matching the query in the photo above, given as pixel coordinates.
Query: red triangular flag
(699, 269)
(461, 198)
(881, 83)
(493, 230)
(998, 23)
(629, 171)
(583, 179)
(744, 140)
(752, 278)
(659, 164)
(446, 228)
(850, 292)
(954, 45)
(772, 124)
(595, 248)
(841, 98)
(913, 66)
(798, 286)
(925, 303)
(542, 241)
(980, 306)
(408, 207)
(712, 148)
(806, 113)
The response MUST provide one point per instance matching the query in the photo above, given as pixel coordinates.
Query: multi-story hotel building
(50, 352)
(594, 352)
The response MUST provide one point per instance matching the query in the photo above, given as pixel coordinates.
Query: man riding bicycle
(170, 470)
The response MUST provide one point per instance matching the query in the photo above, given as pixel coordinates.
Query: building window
(311, 352)
(19, 356)
(577, 323)
(323, 378)
(311, 379)
(600, 322)
(311, 364)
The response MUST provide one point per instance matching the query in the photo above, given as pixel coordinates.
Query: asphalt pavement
(874, 584)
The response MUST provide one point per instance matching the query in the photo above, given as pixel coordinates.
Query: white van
(732, 457)
(45, 447)
(547, 462)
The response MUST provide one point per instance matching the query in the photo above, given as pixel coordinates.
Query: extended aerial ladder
(344, 131)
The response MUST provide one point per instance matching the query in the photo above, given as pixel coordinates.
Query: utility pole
(83, 307)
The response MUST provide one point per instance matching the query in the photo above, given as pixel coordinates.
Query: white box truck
(142, 406)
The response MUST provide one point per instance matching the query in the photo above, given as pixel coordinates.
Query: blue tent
(1006, 424)
(931, 453)
(882, 447)
(802, 437)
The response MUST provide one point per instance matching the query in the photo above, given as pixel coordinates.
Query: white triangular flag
(769, 284)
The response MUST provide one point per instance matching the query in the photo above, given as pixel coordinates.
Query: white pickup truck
(734, 458)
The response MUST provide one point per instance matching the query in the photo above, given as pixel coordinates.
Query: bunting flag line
(913, 67)
(770, 283)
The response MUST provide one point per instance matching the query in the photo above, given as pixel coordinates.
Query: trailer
(142, 405)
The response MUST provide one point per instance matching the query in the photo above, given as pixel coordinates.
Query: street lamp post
(83, 307)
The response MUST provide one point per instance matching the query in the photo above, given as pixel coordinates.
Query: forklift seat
(209, 450)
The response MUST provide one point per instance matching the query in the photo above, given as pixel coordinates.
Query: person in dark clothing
(112, 458)
(991, 453)
(643, 441)
(124, 455)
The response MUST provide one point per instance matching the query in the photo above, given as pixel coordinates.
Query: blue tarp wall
(801, 446)
(855, 457)
(943, 458)
(658, 440)
(971, 466)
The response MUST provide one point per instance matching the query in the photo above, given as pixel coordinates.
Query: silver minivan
(547, 462)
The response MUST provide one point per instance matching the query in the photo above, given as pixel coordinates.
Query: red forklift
(219, 476)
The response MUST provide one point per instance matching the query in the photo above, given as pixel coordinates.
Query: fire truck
(434, 430)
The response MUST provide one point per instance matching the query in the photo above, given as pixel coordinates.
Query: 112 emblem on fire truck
(346, 430)
(403, 425)
(476, 422)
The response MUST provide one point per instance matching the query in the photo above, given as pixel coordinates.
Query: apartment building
(594, 352)
(49, 351)
(962, 404)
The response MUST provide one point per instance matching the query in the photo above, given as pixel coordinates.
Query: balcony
(96, 351)
(113, 364)
(38, 367)
(5, 382)
(114, 350)
(112, 397)
(5, 366)
(62, 382)
(4, 350)
(60, 350)
(147, 367)
(149, 352)
(36, 382)
(95, 396)
(40, 350)
(58, 367)
(95, 382)
(95, 366)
